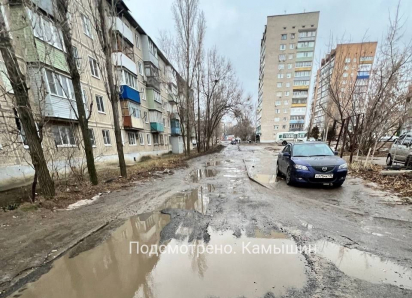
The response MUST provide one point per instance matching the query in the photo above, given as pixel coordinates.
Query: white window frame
(94, 68)
(282, 47)
(64, 130)
(140, 66)
(106, 137)
(92, 137)
(132, 138)
(58, 84)
(87, 28)
(141, 138)
(149, 139)
(102, 109)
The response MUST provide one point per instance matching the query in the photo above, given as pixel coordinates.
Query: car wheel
(289, 176)
(389, 160)
(338, 184)
(278, 173)
(284, 143)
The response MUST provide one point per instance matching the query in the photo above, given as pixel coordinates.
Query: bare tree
(33, 135)
(190, 28)
(63, 12)
(103, 17)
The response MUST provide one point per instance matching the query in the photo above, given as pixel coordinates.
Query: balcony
(120, 59)
(299, 95)
(156, 127)
(127, 92)
(130, 122)
(172, 98)
(305, 87)
(297, 121)
(307, 38)
(153, 82)
(362, 77)
(120, 26)
(175, 127)
(298, 105)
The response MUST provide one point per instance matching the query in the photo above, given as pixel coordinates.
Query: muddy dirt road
(356, 241)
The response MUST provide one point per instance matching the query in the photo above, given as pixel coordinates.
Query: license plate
(323, 175)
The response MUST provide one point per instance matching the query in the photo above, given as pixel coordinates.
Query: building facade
(286, 57)
(146, 81)
(342, 80)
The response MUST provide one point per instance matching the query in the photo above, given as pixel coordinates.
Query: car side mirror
(286, 154)
(336, 152)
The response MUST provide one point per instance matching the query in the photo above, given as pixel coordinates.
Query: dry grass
(401, 185)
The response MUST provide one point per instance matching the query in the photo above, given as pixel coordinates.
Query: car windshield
(312, 150)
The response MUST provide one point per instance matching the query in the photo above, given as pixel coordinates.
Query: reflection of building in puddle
(198, 174)
(365, 266)
(108, 270)
(197, 199)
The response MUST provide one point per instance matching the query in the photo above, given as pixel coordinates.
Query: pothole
(365, 266)
(110, 270)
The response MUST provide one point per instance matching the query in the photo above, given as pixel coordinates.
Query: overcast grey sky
(236, 26)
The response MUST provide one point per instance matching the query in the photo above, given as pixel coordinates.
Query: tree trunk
(188, 116)
(114, 97)
(198, 113)
(21, 94)
(75, 76)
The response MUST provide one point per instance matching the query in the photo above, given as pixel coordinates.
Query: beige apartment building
(286, 57)
(342, 79)
(146, 80)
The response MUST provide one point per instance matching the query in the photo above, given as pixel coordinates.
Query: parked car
(311, 140)
(233, 142)
(401, 150)
(388, 138)
(311, 163)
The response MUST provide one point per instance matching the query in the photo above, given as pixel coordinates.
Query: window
(277, 111)
(366, 58)
(291, 46)
(365, 67)
(106, 137)
(279, 84)
(307, 34)
(100, 104)
(149, 139)
(93, 67)
(277, 119)
(141, 138)
(301, 83)
(292, 36)
(5, 77)
(143, 93)
(347, 60)
(302, 74)
(290, 57)
(289, 75)
(285, 111)
(135, 112)
(281, 66)
(280, 75)
(76, 57)
(286, 102)
(129, 79)
(284, 127)
(157, 96)
(92, 138)
(304, 54)
(155, 139)
(306, 44)
(290, 66)
(303, 64)
(132, 138)
(276, 127)
(284, 37)
(145, 117)
(59, 85)
(287, 85)
(137, 40)
(140, 67)
(63, 136)
(282, 47)
(286, 94)
(345, 75)
(46, 30)
(87, 28)
(279, 94)
(282, 57)
(278, 102)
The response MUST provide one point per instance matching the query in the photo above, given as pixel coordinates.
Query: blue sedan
(311, 163)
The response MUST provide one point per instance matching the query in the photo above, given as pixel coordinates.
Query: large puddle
(198, 174)
(365, 266)
(112, 270)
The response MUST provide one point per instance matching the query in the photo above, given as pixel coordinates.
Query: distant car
(401, 150)
(388, 139)
(311, 163)
(233, 142)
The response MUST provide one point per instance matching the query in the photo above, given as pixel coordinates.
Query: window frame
(103, 111)
(106, 137)
(94, 67)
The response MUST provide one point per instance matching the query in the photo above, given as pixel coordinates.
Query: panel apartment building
(344, 71)
(148, 88)
(286, 57)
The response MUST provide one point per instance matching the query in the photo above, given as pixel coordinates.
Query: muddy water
(110, 271)
(198, 174)
(195, 199)
(365, 266)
